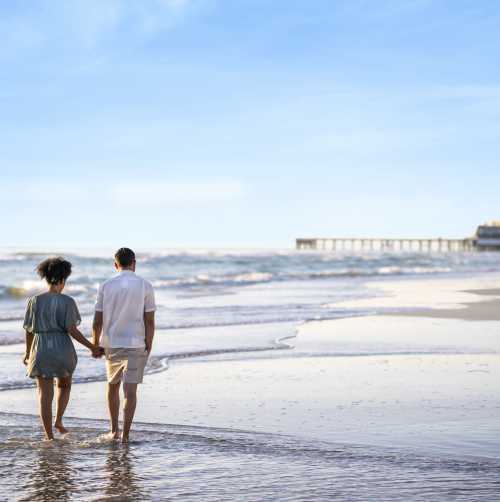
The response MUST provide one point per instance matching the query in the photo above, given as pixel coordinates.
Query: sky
(246, 123)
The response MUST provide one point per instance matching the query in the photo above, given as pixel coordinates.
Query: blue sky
(246, 122)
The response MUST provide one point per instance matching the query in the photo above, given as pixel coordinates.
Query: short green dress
(49, 317)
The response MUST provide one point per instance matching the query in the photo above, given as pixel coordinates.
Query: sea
(261, 297)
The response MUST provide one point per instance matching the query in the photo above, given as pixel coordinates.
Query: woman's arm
(29, 343)
(75, 333)
(97, 327)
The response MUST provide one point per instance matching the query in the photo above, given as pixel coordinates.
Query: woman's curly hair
(54, 270)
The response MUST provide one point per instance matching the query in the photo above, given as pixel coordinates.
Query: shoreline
(412, 380)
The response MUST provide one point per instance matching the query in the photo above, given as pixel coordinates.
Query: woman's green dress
(49, 317)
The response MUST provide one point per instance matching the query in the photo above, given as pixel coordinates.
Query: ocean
(217, 304)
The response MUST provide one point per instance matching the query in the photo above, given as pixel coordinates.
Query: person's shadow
(123, 483)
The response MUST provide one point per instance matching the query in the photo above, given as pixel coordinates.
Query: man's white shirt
(123, 301)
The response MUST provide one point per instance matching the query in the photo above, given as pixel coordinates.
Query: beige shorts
(125, 364)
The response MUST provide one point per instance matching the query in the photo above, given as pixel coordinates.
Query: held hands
(97, 352)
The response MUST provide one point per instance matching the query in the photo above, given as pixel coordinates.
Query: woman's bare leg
(45, 398)
(63, 393)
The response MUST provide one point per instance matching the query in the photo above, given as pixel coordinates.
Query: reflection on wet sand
(122, 483)
(179, 462)
(51, 477)
(56, 472)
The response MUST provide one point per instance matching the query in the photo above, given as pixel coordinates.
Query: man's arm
(149, 325)
(97, 328)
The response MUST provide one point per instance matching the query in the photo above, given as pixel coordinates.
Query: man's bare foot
(124, 439)
(113, 435)
(60, 428)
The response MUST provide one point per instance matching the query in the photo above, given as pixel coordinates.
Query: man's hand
(97, 352)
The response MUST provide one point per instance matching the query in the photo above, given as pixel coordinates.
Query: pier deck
(378, 244)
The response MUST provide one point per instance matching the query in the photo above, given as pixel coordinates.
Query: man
(124, 314)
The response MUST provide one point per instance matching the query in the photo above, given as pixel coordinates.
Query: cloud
(129, 193)
(87, 23)
(93, 20)
(466, 91)
(165, 193)
(384, 9)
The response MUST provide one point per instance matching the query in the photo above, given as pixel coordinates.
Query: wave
(380, 271)
(207, 280)
(11, 338)
(249, 278)
(13, 292)
(158, 362)
(29, 288)
(197, 269)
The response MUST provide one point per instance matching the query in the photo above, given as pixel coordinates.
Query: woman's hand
(26, 359)
(97, 351)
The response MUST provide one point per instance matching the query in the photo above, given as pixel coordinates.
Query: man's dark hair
(54, 270)
(125, 257)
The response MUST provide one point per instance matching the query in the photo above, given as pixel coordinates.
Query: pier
(378, 244)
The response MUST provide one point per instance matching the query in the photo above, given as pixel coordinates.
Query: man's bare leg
(63, 393)
(114, 408)
(45, 398)
(130, 392)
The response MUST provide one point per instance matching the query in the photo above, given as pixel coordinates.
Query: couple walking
(122, 331)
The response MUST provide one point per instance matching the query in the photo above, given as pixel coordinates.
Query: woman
(51, 319)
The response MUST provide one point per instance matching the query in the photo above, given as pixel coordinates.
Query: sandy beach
(392, 383)
(427, 379)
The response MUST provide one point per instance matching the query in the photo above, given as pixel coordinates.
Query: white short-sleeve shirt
(123, 301)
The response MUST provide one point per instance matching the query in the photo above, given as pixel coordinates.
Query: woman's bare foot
(60, 428)
(124, 439)
(113, 435)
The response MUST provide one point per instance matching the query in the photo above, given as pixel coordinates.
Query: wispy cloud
(132, 193)
(165, 193)
(466, 91)
(87, 23)
(387, 9)
(94, 20)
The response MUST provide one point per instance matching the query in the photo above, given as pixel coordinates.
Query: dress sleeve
(29, 317)
(72, 315)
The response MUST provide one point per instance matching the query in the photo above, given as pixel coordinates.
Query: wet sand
(481, 311)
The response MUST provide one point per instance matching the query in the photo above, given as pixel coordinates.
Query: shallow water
(205, 289)
(230, 304)
(165, 462)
